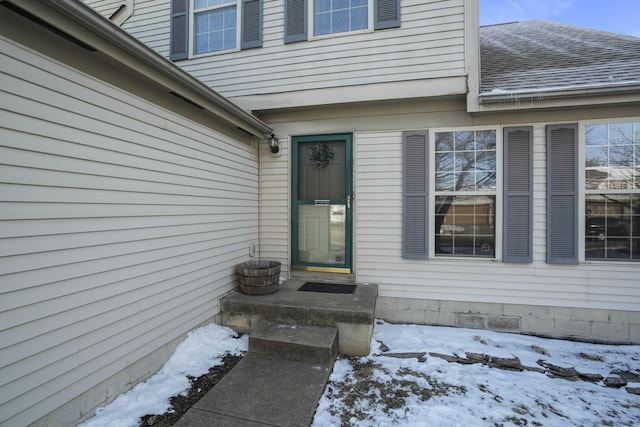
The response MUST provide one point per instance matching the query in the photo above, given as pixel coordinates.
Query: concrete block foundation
(582, 324)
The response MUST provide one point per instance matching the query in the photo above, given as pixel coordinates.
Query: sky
(386, 390)
(618, 16)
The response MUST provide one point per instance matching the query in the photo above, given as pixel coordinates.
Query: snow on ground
(202, 349)
(476, 394)
(379, 390)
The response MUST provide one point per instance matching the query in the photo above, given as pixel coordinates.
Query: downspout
(259, 201)
(123, 13)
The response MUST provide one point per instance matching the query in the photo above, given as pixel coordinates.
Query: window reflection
(465, 225)
(337, 16)
(612, 226)
(611, 157)
(612, 181)
(465, 161)
(322, 234)
(465, 181)
(215, 26)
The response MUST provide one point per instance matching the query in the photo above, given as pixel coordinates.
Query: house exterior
(482, 177)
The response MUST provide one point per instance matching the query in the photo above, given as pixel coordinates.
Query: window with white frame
(305, 19)
(198, 27)
(337, 16)
(612, 191)
(215, 25)
(465, 188)
(465, 193)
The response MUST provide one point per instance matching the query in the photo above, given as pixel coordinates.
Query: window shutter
(251, 24)
(518, 195)
(562, 194)
(295, 20)
(179, 30)
(387, 14)
(415, 198)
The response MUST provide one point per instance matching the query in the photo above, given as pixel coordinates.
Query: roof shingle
(541, 55)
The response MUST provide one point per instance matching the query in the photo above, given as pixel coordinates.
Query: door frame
(347, 266)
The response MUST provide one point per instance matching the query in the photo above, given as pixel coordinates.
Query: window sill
(341, 34)
(218, 52)
(453, 258)
(617, 262)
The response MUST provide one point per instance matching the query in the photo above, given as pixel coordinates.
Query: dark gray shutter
(562, 194)
(251, 24)
(295, 20)
(414, 195)
(179, 32)
(518, 195)
(386, 13)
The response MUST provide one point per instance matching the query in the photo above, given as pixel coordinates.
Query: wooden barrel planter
(259, 277)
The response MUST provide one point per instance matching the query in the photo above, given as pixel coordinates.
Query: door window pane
(322, 234)
(321, 181)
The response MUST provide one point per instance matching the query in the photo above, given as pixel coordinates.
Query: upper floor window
(337, 16)
(204, 26)
(215, 25)
(612, 191)
(304, 19)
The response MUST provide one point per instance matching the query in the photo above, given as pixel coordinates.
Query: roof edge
(87, 18)
(505, 96)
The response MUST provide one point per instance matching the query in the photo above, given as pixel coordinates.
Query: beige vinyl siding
(120, 226)
(378, 212)
(274, 205)
(150, 24)
(105, 8)
(108, 9)
(590, 285)
(275, 170)
(430, 44)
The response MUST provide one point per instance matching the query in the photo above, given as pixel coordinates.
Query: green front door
(322, 203)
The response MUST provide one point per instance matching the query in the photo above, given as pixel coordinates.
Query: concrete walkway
(262, 390)
(294, 338)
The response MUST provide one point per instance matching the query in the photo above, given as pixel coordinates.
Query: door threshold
(322, 269)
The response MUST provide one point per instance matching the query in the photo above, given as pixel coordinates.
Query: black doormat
(328, 288)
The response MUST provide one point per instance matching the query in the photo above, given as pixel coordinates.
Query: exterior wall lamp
(273, 144)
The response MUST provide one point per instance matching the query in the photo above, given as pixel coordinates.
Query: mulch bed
(199, 387)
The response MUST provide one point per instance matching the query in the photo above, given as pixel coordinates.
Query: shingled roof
(541, 57)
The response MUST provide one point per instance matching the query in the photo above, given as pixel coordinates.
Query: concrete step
(315, 344)
(352, 315)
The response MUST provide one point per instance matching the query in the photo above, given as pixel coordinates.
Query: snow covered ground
(202, 349)
(400, 388)
(476, 394)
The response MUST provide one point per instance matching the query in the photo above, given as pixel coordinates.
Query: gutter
(514, 96)
(186, 84)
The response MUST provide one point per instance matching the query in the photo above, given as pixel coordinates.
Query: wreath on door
(320, 155)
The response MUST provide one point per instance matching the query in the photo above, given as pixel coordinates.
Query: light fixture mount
(273, 144)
